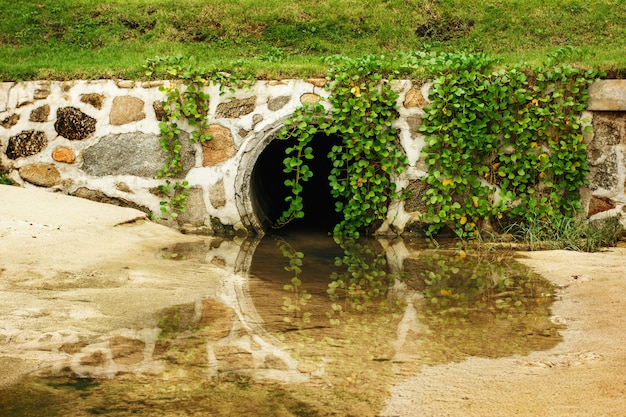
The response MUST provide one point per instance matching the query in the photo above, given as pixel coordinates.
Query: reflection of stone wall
(206, 334)
(102, 138)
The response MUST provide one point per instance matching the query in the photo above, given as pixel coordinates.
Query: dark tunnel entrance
(268, 191)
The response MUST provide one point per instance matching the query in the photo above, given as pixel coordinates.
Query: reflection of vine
(364, 282)
(481, 300)
(455, 304)
(294, 306)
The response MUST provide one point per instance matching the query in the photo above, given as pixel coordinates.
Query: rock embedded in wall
(608, 130)
(41, 93)
(317, 82)
(416, 191)
(414, 123)
(40, 114)
(309, 98)
(236, 108)
(195, 211)
(135, 153)
(607, 95)
(10, 121)
(599, 205)
(73, 124)
(277, 103)
(159, 111)
(100, 197)
(41, 174)
(126, 84)
(217, 194)
(63, 154)
(415, 98)
(604, 175)
(220, 148)
(126, 109)
(27, 143)
(93, 99)
(122, 186)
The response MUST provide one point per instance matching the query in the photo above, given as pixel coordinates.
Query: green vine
(301, 127)
(503, 146)
(365, 164)
(185, 98)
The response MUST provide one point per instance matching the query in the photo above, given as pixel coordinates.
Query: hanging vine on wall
(185, 99)
(501, 146)
(365, 164)
(504, 145)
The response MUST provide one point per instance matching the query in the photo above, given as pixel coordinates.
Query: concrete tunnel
(267, 191)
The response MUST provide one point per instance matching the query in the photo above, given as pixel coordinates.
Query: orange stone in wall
(63, 154)
(220, 148)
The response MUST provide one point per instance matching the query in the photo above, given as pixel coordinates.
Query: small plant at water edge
(176, 202)
(4, 178)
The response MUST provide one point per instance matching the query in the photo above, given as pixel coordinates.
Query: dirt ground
(47, 239)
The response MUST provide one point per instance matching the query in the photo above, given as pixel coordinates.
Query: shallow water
(302, 326)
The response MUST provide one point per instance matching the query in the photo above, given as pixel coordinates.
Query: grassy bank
(62, 39)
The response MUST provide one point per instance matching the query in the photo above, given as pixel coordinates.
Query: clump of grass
(4, 177)
(560, 232)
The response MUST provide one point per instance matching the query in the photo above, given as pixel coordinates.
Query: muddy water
(303, 326)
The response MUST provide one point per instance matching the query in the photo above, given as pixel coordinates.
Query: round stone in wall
(41, 174)
(126, 109)
(309, 98)
(217, 194)
(63, 154)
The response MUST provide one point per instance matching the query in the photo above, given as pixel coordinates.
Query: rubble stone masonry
(100, 140)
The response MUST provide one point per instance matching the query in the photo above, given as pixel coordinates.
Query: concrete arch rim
(243, 184)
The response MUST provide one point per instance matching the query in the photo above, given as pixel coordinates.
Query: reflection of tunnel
(268, 191)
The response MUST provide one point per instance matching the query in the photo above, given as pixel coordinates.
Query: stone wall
(100, 140)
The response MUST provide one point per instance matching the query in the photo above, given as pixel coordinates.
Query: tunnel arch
(260, 191)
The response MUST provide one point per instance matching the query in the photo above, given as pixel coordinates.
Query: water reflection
(326, 320)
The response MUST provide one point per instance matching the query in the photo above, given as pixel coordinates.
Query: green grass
(577, 234)
(64, 39)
